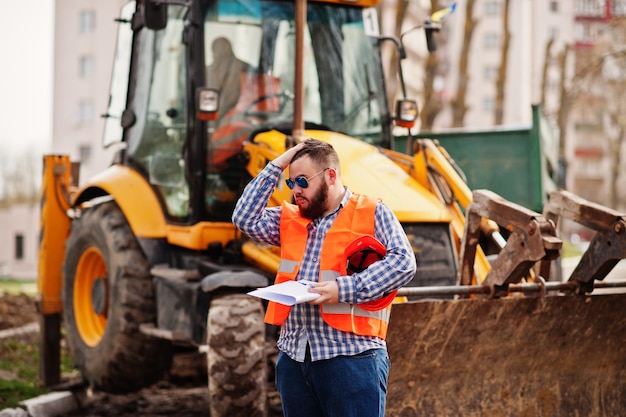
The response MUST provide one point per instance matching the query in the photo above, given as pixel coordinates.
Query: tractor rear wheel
(107, 294)
(235, 357)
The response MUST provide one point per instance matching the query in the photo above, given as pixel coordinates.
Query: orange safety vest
(354, 220)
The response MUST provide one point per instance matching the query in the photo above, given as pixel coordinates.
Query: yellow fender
(144, 212)
(133, 195)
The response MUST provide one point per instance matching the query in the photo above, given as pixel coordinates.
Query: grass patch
(12, 392)
(19, 370)
(17, 286)
(20, 361)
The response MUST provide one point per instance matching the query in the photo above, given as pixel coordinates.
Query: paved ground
(163, 400)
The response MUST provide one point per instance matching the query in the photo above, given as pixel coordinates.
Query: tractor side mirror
(406, 113)
(430, 28)
(155, 15)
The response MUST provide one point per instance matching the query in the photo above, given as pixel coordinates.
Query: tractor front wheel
(107, 294)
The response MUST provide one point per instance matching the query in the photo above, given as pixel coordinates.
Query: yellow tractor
(142, 260)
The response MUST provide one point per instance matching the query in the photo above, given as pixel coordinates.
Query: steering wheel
(256, 117)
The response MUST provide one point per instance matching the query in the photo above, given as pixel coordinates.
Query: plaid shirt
(305, 324)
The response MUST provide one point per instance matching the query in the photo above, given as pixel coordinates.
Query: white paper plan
(288, 292)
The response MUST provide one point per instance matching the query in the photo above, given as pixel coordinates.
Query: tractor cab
(236, 57)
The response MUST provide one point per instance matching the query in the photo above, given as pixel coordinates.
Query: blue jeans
(345, 386)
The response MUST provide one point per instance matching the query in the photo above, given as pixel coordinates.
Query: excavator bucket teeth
(514, 356)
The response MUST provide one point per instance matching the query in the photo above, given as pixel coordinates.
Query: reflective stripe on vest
(354, 220)
(363, 322)
(343, 308)
(287, 266)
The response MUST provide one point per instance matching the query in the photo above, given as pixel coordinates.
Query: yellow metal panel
(265, 257)
(135, 198)
(54, 227)
(198, 236)
(439, 158)
(365, 170)
(265, 148)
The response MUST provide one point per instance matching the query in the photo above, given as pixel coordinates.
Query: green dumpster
(520, 164)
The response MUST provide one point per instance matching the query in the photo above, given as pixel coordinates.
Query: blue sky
(26, 45)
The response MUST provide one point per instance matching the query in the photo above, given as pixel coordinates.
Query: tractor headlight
(406, 113)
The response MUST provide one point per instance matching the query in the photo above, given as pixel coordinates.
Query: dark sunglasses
(302, 181)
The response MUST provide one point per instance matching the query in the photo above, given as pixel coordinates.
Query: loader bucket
(515, 356)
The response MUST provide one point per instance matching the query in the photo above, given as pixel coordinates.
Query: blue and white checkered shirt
(305, 324)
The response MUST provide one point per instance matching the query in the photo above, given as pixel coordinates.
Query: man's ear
(332, 174)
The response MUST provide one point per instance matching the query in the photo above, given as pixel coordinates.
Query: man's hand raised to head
(285, 158)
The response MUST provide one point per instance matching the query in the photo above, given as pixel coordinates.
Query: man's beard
(317, 204)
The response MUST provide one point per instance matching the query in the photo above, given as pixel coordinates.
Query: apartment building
(553, 45)
(595, 143)
(19, 243)
(84, 46)
(532, 26)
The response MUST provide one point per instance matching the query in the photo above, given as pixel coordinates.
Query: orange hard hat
(361, 253)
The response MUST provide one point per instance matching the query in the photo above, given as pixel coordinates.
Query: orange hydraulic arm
(54, 228)
(433, 168)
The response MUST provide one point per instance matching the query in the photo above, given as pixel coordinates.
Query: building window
(85, 66)
(590, 167)
(19, 246)
(492, 8)
(554, 6)
(87, 21)
(589, 8)
(589, 31)
(490, 40)
(612, 70)
(490, 72)
(84, 152)
(553, 32)
(489, 104)
(553, 86)
(85, 111)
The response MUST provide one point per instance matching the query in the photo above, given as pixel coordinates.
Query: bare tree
(433, 65)
(432, 103)
(393, 85)
(614, 83)
(20, 178)
(436, 67)
(459, 104)
(502, 70)
(544, 74)
(565, 99)
(617, 138)
(596, 94)
(600, 109)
